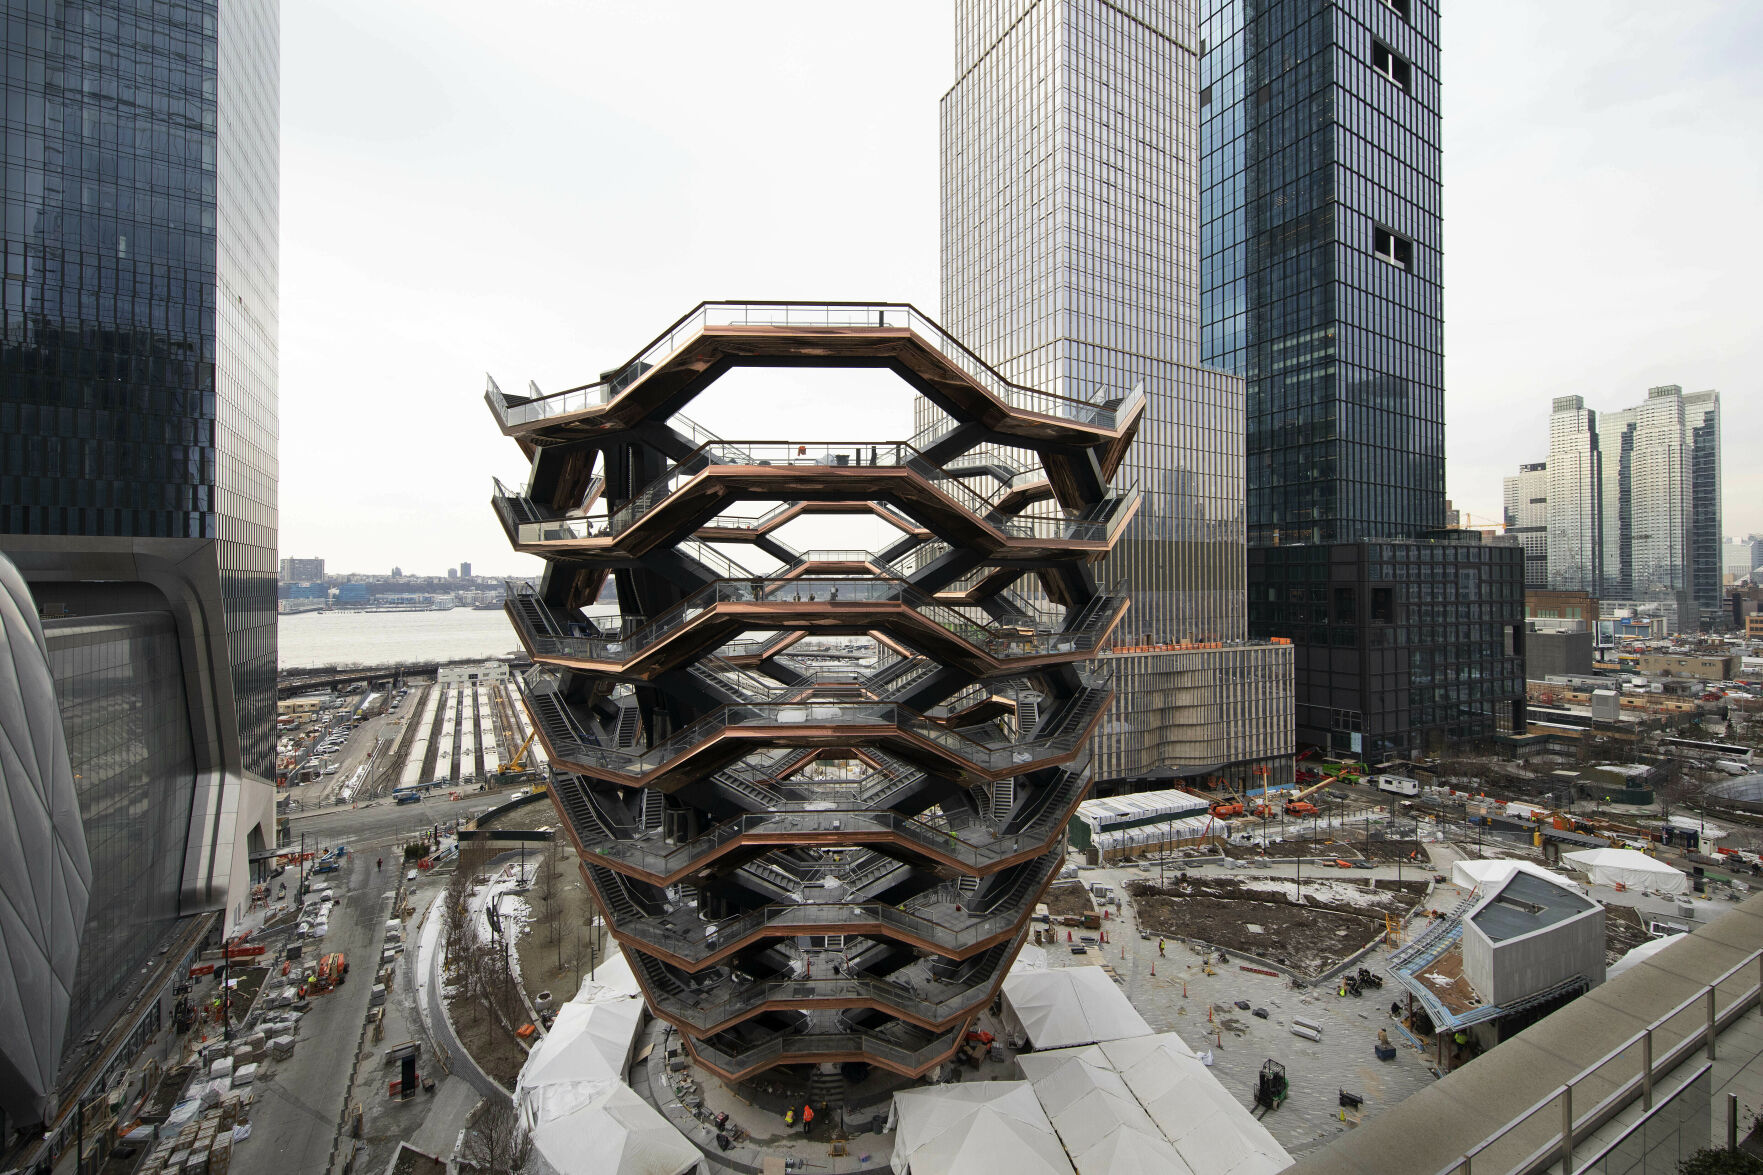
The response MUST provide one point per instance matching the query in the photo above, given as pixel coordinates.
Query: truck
(408, 796)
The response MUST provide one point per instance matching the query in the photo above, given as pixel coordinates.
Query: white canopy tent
(1064, 1006)
(974, 1128)
(1490, 875)
(571, 1095)
(1641, 954)
(614, 1130)
(1629, 868)
(1209, 1131)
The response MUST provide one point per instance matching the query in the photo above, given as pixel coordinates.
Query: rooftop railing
(1629, 1072)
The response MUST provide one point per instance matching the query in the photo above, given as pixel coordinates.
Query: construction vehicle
(1271, 1088)
(517, 764)
(1299, 804)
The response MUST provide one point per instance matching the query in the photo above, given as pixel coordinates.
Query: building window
(1205, 95)
(1391, 64)
(1399, 7)
(1395, 249)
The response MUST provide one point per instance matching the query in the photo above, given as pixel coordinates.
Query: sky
(536, 189)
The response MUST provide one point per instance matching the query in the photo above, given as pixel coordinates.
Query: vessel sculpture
(810, 858)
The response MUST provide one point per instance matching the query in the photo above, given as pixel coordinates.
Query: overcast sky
(535, 189)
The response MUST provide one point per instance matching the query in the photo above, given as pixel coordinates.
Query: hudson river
(311, 640)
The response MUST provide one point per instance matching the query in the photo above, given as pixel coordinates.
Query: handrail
(1641, 1084)
(997, 641)
(986, 757)
(885, 315)
(784, 455)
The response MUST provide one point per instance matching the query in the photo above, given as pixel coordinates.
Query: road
(300, 1101)
(386, 823)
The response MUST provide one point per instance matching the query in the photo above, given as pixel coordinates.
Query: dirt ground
(1068, 898)
(1623, 932)
(1261, 916)
(490, 1045)
(558, 962)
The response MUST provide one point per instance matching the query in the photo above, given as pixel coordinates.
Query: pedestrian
(807, 1119)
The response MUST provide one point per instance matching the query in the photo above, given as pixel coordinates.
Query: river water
(312, 640)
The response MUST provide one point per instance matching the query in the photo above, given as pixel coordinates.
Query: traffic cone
(1153, 968)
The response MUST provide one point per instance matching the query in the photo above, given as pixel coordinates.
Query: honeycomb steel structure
(810, 859)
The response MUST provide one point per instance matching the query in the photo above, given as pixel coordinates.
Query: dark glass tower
(1319, 125)
(138, 444)
(1320, 285)
(140, 296)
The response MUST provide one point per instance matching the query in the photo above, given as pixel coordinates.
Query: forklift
(1270, 1089)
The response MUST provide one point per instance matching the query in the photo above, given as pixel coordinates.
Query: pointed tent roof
(1066, 1006)
(975, 1128)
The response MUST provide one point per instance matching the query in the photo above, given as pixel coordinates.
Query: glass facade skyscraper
(1321, 287)
(138, 423)
(1527, 519)
(1634, 501)
(1071, 263)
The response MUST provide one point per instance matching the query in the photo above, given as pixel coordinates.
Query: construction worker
(807, 1119)
(1160, 948)
(790, 1118)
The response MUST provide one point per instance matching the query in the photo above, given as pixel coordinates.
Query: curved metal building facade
(817, 850)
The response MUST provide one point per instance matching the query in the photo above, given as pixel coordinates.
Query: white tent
(615, 1131)
(1209, 1130)
(975, 1128)
(1103, 1127)
(1628, 867)
(571, 1095)
(1640, 954)
(1490, 875)
(1065, 1006)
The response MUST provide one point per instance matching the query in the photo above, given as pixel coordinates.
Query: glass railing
(1103, 409)
(820, 455)
(736, 1057)
(975, 848)
(998, 641)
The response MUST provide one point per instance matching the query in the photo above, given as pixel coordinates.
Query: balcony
(729, 734)
(717, 614)
(941, 921)
(713, 336)
(980, 848)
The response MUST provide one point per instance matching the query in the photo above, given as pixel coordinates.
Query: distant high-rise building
(138, 419)
(465, 571)
(1527, 520)
(452, 573)
(1070, 263)
(1634, 501)
(1321, 287)
(302, 570)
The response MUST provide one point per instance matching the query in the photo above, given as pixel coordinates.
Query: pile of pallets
(203, 1146)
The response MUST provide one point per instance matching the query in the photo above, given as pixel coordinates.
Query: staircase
(826, 1089)
(630, 722)
(654, 811)
(1003, 799)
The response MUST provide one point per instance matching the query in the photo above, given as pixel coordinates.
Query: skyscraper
(1321, 287)
(138, 451)
(1634, 501)
(1527, 519)
(1070, 262)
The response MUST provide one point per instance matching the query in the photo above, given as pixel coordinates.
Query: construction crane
(517, 764)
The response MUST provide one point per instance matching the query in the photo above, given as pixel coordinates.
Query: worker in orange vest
(807, 1119)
